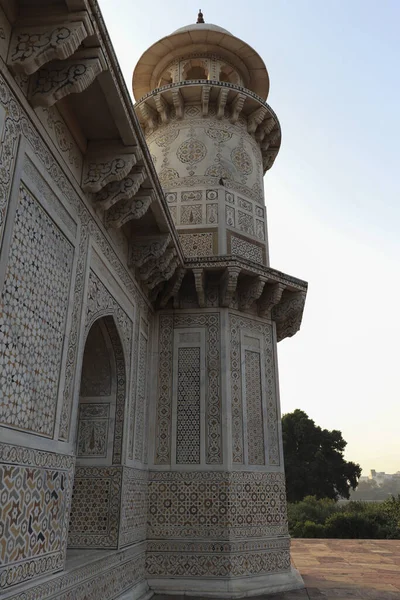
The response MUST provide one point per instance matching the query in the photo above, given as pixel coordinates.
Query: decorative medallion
(212, 194)
(242, 160)
(171, 197)
(191, 151)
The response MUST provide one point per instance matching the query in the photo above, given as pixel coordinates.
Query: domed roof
(198, 26)
(200, 38)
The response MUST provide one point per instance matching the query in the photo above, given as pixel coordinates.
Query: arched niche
(228, 74)
(196, 68)
(95, 510)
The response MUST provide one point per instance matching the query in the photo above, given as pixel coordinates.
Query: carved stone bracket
(271, 296)
(256, 118)
(205, 99)
(159, 265)
(105, 163)
(164, 275)
(252, 292)
(127, 210)
(121, 190)
(199, 281)
(228, 285)
(269, 157)
(162, 107)
(236, 107)
(147, 247)
(61, 78)
(179, 104)
(221, 102)
(33, 46)
(149, 115)
(288, 314)
(172, 288)
(265, 128)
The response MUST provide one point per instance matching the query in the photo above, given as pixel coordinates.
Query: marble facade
(140, 443)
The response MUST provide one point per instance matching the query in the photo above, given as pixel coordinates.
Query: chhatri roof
(194, 39)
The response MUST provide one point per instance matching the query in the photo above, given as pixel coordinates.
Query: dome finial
(200, 18)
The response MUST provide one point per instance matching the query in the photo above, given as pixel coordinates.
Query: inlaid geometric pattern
(200, 563)
(188, 407)
(141, 398)
(32, 318)
(103, 579)
(197, 244)
(35, 496)
(246, 249)
(220, 505)
(134, 506)
(213, 433)
(238, 324)
(255, 429)
(95, 507)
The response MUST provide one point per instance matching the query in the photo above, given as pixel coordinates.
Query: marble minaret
(217, 521)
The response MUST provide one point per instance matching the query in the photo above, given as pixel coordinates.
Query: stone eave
(89, 47)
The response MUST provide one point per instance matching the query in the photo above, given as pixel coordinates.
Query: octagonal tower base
(217, 523)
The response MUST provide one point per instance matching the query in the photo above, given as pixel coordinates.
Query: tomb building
(140, 436)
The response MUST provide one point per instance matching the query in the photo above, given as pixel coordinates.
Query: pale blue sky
(333, 195)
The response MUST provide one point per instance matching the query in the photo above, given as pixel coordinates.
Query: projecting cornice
(231, 102)
(240, 284)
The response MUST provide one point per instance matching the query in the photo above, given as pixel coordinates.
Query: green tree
(314, 460)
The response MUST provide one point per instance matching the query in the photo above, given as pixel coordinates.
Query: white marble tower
(217, 509)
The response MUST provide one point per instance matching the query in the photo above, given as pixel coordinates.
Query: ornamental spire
(200, 18)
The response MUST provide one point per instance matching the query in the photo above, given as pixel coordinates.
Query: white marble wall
(212, 174)
(60, 272)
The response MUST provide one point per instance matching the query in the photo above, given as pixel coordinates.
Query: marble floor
(344, 569)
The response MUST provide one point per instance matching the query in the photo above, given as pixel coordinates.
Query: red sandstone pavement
(343, 569)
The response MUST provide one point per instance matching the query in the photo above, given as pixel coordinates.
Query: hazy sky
(333, 195)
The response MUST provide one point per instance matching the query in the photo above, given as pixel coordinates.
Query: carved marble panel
(213, 431)
(32, 321)
(240, 324)
(197, 244)
(245, 249)
(188, 406)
